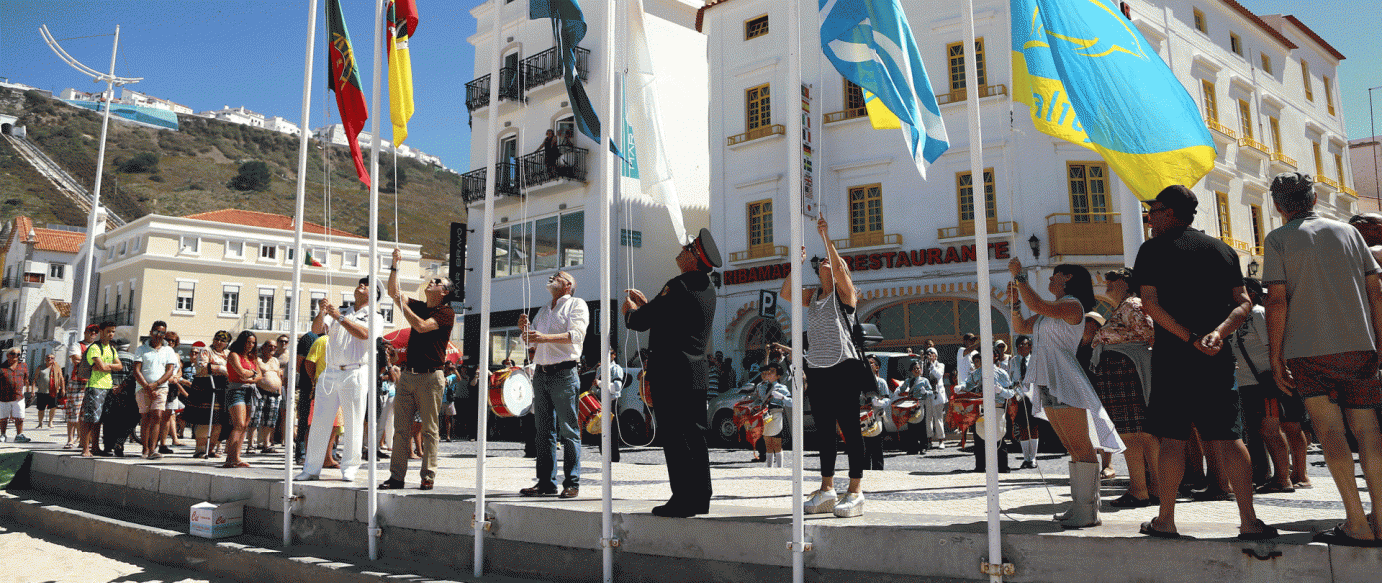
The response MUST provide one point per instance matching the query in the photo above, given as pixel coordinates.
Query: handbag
(1269, 379)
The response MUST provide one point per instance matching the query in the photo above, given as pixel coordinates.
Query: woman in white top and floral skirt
(1064, 395)
(836, 376)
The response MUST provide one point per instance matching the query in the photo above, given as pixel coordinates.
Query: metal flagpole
(981, 237)
(374, 530)
(295, 296)
(794, 210)
(609, 183)
(478, 521)
(96, 214)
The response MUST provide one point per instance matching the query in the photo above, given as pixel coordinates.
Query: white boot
(820, 502)
(777, 460)
(1084, 489)
(1029, 450)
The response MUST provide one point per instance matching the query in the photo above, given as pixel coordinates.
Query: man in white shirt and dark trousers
(558, 334)
(346, 384)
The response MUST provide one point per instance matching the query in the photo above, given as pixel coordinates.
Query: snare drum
(511, 393)
(902, 411)
(588, 412)
(869, 423)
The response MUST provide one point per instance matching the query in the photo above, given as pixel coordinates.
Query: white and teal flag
(649, 163)
(871, 44)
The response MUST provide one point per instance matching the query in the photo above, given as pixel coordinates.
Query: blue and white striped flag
(568, 28)
(871, 44)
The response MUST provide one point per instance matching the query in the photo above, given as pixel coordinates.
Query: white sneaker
(820, 502)
(851, 506)
(306, 477)
(348, 474)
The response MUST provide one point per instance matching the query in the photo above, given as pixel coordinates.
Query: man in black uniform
(679, 318)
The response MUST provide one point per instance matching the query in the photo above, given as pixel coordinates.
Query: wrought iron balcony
(1240, 246)
(477, 93)
(1282, 158)
(545, 67)
(570, 165)
(960, 94)
(1327, 181)
(511, 83)
(121, 318)
(473, 182)
(1348, 191)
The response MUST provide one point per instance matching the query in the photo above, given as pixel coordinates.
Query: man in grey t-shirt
(1324, 318)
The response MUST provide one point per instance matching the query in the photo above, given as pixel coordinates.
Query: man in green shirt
(103, 360)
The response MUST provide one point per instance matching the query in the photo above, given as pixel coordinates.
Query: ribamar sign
(874, 261)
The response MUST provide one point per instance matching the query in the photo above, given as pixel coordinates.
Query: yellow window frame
(756, 27)
(1305, 80)
(964, 197)
(866, 215)
(955, 61)
(1211, 101)
(760, 226)
(758, 106)
(1087, 184)
(1245, 118)
(1222, 210)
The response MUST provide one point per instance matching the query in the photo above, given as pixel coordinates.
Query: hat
(1177, 196)
(932, 351)
(199, 344)
(1120, 273)
(1291, 182)
(706, 250)
(93, 327)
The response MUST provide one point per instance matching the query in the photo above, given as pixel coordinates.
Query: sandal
(1130, 501)
(1267, 532)
(235, 465)
(1337, 536)
(1275, 488)
(1152, 531)
(1107, 474)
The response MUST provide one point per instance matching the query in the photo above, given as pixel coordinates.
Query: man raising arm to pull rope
(679, 318)
(557, 334)
(419, 388)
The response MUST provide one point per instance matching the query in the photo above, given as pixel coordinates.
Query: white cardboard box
(217, 520)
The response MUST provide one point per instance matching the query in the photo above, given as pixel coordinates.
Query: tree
(141, 162)
(391, 181)
(254, 175)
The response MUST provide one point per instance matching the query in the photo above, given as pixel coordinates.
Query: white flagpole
(96, 214)
(374, 530)
(290, 377)
(609, 181)
(478, 521)
(981, 238)
(794, 211)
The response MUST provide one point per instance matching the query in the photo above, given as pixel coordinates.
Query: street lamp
(1252, 268)
(1035, 244)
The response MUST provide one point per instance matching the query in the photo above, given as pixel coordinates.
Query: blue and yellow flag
(870, 43)
(1089, 77)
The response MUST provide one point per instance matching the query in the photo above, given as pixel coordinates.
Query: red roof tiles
(269, 220)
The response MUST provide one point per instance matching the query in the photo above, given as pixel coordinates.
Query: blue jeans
(554, 411)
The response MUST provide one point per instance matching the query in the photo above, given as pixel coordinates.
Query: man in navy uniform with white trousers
(679, 319)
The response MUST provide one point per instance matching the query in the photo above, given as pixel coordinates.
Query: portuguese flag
(345, 81)
(309, 261)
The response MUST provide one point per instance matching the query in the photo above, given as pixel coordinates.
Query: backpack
(84, 367)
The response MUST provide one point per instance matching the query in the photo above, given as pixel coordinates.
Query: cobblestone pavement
(36, 557)
(933, 488)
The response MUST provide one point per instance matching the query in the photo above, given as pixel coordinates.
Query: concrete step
(247, 558)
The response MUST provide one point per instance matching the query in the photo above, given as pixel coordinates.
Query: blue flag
(871, 44)
(1089, 77)
(568, 28)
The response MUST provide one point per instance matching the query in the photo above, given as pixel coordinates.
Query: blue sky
(210, 53)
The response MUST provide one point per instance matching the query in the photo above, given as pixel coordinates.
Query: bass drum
(511, 393)
(645, 390)
(900, 413)
(1002, 425)
(869, 423)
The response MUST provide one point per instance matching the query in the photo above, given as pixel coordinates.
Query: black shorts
(45, 401)
(1190, 389)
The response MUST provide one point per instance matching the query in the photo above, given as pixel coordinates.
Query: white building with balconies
(1266, 87)
(547, 217)
(39, 264)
